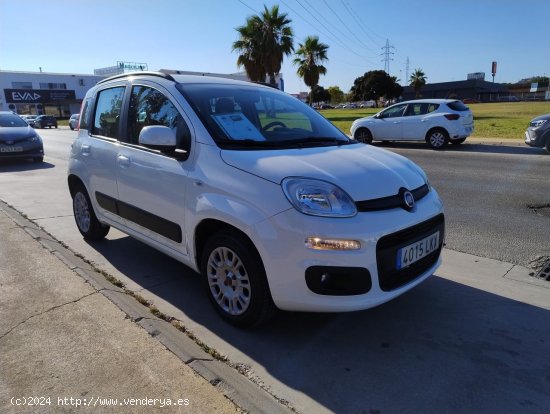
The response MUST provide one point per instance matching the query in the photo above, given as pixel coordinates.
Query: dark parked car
(538, 132)
(18, 139)
(44, 121)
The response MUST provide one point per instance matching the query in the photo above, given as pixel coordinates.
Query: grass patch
(491, 120)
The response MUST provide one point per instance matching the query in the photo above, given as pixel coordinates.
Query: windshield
(252, 117)
(11, 120)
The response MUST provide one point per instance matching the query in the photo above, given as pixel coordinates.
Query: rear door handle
(123, 161)
(85, 150)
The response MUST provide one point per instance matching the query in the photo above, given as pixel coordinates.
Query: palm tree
(417, 81)
(263, 42)
(310, 55)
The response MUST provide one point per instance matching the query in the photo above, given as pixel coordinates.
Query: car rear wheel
(363, 135)
(86, 221)
(235, 280)
(437, 138)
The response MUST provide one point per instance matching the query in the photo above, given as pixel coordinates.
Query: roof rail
(124, 75)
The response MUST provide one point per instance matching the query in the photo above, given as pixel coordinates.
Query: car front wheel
(437, 138)
(235, 280)
(86, 221)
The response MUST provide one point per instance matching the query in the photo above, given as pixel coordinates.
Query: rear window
(457, 106)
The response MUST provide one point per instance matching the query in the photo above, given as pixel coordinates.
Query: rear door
(99, 148)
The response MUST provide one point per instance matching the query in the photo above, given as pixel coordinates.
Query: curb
(226, 379)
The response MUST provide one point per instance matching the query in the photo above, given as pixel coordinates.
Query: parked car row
(40, 121)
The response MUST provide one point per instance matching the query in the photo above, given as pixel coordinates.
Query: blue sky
(445, 38)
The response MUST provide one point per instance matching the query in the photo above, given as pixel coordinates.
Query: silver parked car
(538, 132)
(73, 121)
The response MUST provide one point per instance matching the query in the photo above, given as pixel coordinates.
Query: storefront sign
(38, 95)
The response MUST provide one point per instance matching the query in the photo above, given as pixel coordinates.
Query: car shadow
(442, 347)
(23, 165)
(465, 147)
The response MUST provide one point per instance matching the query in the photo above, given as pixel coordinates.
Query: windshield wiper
(314, 141)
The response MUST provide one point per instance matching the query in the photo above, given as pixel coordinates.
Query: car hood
(16, 133)
(363, 171)
(540, 118)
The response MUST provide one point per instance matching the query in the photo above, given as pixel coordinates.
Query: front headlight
(318, 198)
(539, 123)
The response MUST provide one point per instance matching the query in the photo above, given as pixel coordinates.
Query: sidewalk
(63, 343)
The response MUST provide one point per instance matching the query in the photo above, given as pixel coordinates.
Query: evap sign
(38, 95)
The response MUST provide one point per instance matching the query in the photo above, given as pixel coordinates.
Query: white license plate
(412, 253)
(11, 149)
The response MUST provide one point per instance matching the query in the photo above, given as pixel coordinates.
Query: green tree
(263, 42)
(374, 85)
(309, 58)
(336, 94)
(417, 81)
(319, 94)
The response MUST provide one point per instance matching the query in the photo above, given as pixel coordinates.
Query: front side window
(107, 113)
(85, 114)
(254, 117)
(394, 111)
(149, 107)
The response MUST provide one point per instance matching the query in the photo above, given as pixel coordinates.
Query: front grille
(393, 201)
(386, 253)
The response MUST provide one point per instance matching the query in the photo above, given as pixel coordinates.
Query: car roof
(186, 79)
(437, 101)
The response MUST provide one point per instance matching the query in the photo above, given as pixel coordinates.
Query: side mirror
(158, 137)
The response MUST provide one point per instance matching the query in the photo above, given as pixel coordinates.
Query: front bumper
(534, 138)
(21, 150)
(281, 243)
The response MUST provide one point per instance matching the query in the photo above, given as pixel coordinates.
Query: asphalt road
(470, 341)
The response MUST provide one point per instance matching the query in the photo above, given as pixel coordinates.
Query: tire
(70, 126)
(363, 135)
(547, 146)
(235, 280)
(86, 221)
(437, 138)
(458, 141)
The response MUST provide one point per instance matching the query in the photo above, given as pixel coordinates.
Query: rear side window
(457, 106)
(107, 113)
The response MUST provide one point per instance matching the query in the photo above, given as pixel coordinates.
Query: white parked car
(436, 121)
(270, 202)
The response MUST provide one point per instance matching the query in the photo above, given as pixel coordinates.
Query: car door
(152, 184)
(388, 124)
(98, 149)
(413, 123)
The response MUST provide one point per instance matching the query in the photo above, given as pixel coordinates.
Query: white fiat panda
(271, 203)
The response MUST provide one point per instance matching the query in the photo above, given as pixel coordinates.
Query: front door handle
(123, 161)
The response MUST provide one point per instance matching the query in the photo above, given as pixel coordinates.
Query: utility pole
(407, 66)
(387, 55)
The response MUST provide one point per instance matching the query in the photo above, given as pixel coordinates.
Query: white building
(58, 94)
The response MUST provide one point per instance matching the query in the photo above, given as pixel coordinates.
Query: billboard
(38, 95)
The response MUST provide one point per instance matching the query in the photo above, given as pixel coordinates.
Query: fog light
(318, 243)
